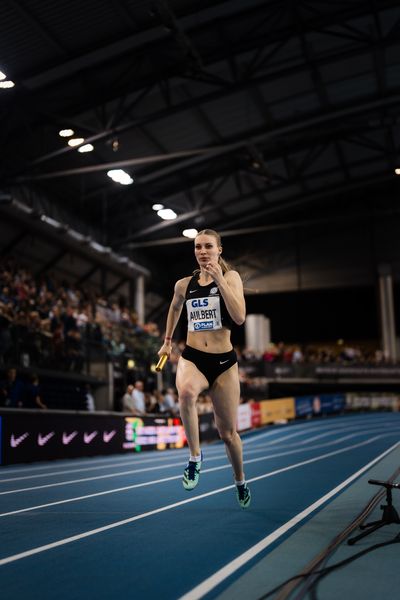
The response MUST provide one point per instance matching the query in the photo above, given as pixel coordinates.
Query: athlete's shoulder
(232, 276)
(181, 285)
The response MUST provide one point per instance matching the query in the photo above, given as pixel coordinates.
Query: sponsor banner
(255, 414)
(273, 411)
(29, 436)
(358, 371)
(243, 417)
(372, 401)
(320, 404)
(304, 406)
(153, 433)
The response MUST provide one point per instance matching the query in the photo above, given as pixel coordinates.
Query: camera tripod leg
(369, 528)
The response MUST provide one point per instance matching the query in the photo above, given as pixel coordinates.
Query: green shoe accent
(243, 495)
(191, 474)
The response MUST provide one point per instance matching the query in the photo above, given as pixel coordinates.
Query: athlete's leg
(225, 394)
(189, 383)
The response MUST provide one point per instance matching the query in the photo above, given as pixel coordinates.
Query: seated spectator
(33, 397)
(127, 400)
(12, 390)
(89, 399)
(139, 405)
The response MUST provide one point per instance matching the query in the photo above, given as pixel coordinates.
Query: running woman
(214, 300)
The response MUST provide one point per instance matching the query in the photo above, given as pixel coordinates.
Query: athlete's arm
(231, 288)
(174, 313)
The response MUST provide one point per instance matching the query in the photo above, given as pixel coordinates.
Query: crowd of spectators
(338, 353)
(157, 402)
(50, 323)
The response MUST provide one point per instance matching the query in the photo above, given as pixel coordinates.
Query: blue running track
(123, 526)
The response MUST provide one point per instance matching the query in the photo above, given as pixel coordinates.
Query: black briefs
(211, 365)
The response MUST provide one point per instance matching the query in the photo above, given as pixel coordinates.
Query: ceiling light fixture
(190, 233)
(167, 214)
(157, 206)
(66, 132)
(86, 148)
(75, 142)
(120, 176)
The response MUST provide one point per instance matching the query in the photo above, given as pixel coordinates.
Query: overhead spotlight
(2, 76)
(115, 145)
(75, 142)
(120, 176)
(7, 84)
(167, 214)
(157, 206)
(397, 171)
(66, 132)
(190, 233)
(86, 148)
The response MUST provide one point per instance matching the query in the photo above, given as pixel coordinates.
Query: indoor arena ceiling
(247, 116)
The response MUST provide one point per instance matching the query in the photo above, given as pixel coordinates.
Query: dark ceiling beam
(310, 197)
(124, 110)
(197, 20)
(19, 213)
(342, 160)
(115, 287)
(206, 122)
(125, 14)
(228, 89)
(298, 224)
(292, 177)
(279, 131)
(34, 23)
(13, 243)
(164, 11)
(87, 275)
(51, 263)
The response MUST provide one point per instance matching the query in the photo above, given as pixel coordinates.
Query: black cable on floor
(311, 572)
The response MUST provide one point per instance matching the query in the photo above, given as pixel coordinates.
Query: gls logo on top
(198, 302)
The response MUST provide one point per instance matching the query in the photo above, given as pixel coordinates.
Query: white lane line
(219, 576)
(172, 465)
(331, 431)
(95, 468)
(157, 481)
(329, 443)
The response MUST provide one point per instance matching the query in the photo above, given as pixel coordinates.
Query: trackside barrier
(32, 435)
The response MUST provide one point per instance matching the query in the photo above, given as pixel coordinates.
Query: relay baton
(161, 363)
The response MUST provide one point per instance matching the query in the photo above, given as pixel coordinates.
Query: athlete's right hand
(166, 348)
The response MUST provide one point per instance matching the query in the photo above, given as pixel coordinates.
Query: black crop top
(206, 310)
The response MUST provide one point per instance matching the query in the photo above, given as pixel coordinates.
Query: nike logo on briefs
(222, 362)
(192, 291)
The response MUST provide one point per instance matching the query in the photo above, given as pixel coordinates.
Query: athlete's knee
(187, 396)
(228, 436)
